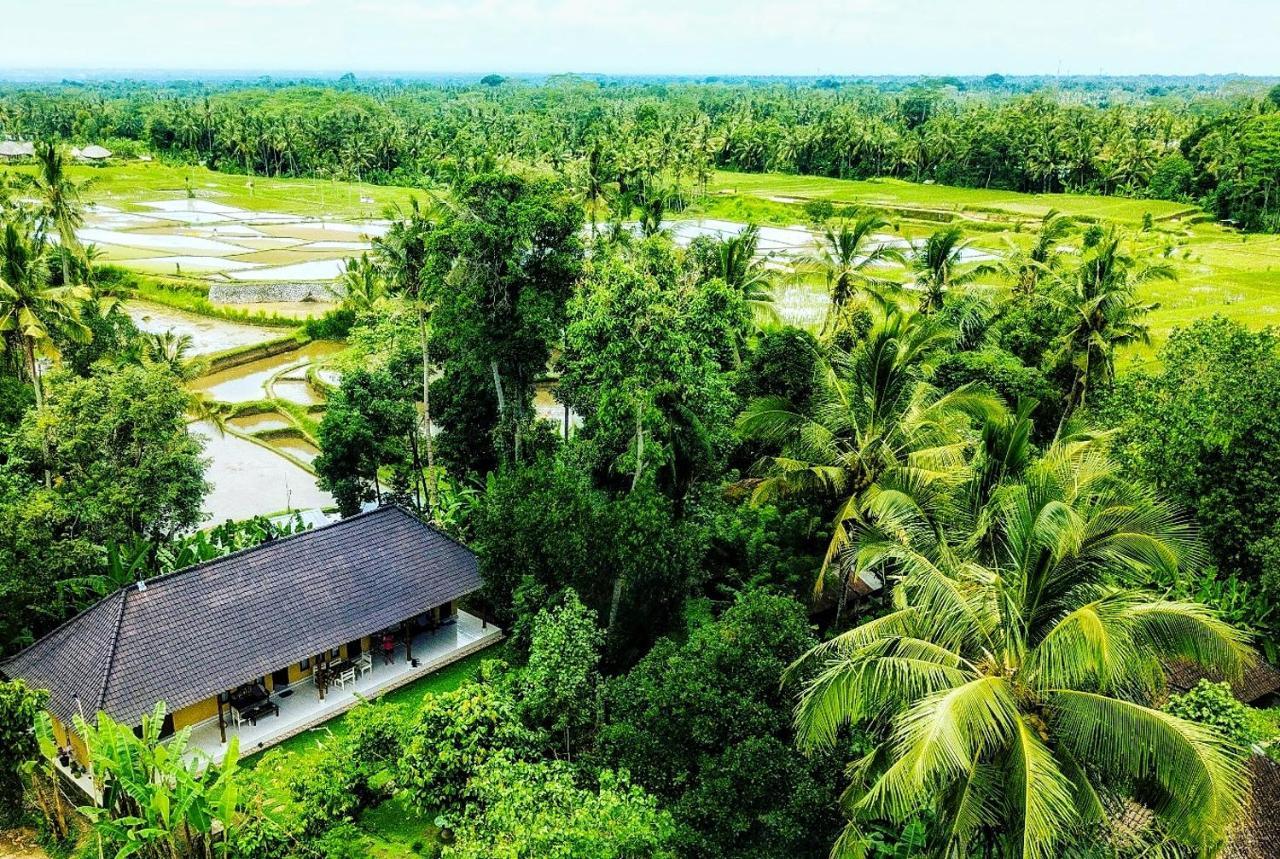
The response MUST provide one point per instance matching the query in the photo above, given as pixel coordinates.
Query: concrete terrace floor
(303, 710)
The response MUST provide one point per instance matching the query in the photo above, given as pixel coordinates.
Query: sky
(697, 37)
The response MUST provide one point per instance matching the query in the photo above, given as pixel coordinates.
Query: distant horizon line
(15, 74)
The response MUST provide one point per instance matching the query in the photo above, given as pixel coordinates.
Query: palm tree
(362, 283)
(1101, 294)
(1014, 680)
(873, 427)
(845, 257)
(403, 253)
(1025, 268)
(169, 349)
(739, 265)
(31, 310)
(937, 263)
(60, 209)
(593, 180)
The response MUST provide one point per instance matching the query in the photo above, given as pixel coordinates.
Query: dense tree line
(893, 584)
(1217, 146)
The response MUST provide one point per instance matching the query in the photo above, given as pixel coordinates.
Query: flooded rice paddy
(249, 474)
(248, 479)
(205, 238)
(248, 382)
(207, 335)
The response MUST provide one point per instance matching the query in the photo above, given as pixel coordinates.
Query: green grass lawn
(1219, 269)
(897, 193)
(126, 184)
(409, 696)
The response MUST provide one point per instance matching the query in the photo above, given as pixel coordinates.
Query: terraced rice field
(208, 239)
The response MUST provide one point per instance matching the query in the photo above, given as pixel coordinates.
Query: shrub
(455, 734)
(1212, 704)
(18, 708)
(334, 325)
(536, 809)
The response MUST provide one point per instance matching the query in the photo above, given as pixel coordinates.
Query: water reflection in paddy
(260, 423)
(248, 381)
(296, 391)
(299, 447)
(208, 335)
(249, 480)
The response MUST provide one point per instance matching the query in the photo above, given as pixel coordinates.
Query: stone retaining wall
(259, 293)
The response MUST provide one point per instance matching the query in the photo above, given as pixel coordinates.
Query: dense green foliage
(1213, 705)
(704, 725)
(1177, 140)
(888, 571)
(108, 460)
(19, 705)
(1203, 429)
(452, 737)
(536, 809)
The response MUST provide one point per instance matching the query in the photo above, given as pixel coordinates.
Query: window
(305, 664)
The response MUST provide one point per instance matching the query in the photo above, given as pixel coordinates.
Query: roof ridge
(435, 529)
(76, 618)
(275, 541)
(111, 655)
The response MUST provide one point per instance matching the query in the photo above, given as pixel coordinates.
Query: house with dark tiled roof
(1258, 684)
(268, 641)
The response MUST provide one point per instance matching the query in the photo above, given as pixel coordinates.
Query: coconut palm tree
(31, 310)
(404, 254)
(845, 258)
(739, 265)
(1011, 689)
(1101, 294)
(60, 206)
(937, 265)
(362, 283)
(873, 426)
(1025, 268)
(167, 348)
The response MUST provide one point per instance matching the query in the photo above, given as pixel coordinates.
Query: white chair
(348, 676)
(364, 664)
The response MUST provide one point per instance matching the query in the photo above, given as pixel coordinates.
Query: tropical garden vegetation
(903, 583)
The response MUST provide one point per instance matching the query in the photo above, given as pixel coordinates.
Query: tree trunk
(432, 486)
(497, 387)
(38, 388)
(635, 478)
(615, 601)
(419, 488)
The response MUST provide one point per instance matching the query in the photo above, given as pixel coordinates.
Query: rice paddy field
(1221, 270)
(243, 238)
(238, 230)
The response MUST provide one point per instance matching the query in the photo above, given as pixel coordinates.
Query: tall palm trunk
(33, 367)
(432, 485)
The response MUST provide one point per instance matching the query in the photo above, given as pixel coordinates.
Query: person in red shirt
(388, 648)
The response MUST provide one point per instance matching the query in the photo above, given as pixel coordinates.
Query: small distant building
(12, 150)
(93, 153)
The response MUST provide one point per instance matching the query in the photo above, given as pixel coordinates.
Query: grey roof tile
(211, 627)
